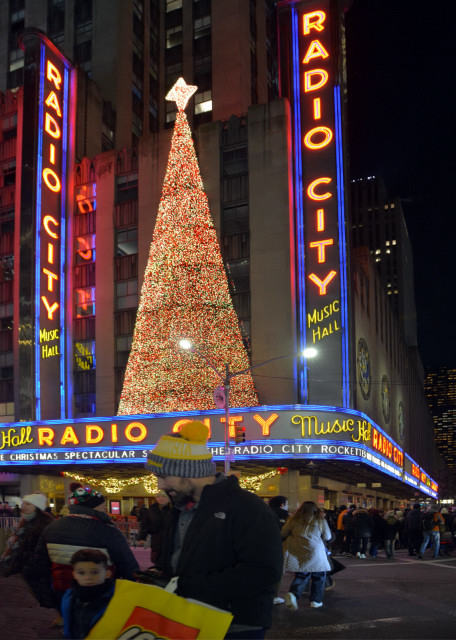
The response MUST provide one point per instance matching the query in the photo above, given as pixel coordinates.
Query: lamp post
(226, 380)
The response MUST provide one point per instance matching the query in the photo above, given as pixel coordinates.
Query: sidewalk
(22, 618)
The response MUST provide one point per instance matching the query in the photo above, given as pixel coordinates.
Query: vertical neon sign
(310, 63)
(49, 97)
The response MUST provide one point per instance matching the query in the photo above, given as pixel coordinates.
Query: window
(84, 302)
(84, 355)
(84, 248)
(127, 294)
(173, 36)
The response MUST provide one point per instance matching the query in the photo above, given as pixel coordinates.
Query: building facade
(277, 183)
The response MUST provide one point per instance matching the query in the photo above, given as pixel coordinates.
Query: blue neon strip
(39, 169)
(299, 225)
(62, 333)
(342, 247)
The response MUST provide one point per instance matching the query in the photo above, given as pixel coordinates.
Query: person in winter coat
(305, 553)
(222, 545)
(20, 547)
(431, 532)
(362, 526)
(413, 530)
(87, 526)
(92, 589)
(378, 525)
(153, 523)
(349, 531)
(391, 533)
(279, 505)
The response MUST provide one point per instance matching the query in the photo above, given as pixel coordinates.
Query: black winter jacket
(232, 553)
(83, 528)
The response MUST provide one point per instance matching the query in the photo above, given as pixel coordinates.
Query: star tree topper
(181, 93)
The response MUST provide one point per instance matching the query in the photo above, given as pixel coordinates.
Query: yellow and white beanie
(183, 454)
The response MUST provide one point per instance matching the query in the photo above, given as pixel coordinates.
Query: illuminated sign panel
(49, 103)
(272, 433)
(310, 54)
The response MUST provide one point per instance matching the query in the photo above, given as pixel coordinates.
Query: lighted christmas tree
(184, 295)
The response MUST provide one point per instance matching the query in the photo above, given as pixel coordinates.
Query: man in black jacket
(222, 545)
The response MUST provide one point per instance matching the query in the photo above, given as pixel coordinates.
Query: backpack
(427, 521)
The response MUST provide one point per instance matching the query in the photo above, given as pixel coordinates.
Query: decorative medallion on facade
(386, 399)
(364, 368)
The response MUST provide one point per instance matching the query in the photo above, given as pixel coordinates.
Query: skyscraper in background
(440, 388)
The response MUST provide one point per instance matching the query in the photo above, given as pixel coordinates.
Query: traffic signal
(239, 434)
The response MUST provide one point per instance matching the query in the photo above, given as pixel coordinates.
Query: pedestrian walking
(306, 554)
(391, 534)
(87, 526)
(153, 523)
(349, 531)
(362, 528)
(431, 519)
(20, 547)
(222, 545)
(413, 531)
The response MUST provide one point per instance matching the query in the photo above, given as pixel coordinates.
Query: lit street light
(226, 379)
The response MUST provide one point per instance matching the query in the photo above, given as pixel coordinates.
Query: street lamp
(226, 379)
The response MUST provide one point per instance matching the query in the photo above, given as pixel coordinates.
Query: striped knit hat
(183, 454)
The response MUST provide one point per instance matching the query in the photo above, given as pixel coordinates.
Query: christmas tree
(185, 295)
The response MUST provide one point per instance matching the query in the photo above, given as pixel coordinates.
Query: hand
(152, 576)
(141, 543)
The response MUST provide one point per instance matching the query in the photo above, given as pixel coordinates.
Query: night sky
(402, 125)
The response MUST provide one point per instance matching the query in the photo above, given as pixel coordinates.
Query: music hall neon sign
(311, 54)
(55, 132)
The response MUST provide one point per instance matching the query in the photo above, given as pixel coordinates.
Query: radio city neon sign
(320, 190)
(51, 184)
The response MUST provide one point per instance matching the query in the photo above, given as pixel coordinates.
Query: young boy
(84, 604)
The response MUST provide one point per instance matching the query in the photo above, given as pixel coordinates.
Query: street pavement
(380, 599)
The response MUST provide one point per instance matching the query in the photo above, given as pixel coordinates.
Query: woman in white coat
(305, 553)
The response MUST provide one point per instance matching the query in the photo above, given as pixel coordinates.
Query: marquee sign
(47, 142)
(272, 433)
(310, 77)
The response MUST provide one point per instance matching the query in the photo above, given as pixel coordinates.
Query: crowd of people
(363, 532)
(210, 541)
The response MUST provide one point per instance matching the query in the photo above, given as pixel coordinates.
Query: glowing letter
(315, 50)
(52, 102)
(53, 75)
(50, 309)
(46, 221)
(321, 244)
(317, 108)
(84, 205)
(51, 126)
(327, 137)
(311, 189)
(320, 219)
(308, 86)
(84, 254)
(142, 432)
(53, 187)
(45, 436)
(94, 434)
(69, 436)
(51, 277)
(177, 425)
(265, 424)
(309, 22)
(322, 284)
(50, 253)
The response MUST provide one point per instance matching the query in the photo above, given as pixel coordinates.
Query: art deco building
(303, 269)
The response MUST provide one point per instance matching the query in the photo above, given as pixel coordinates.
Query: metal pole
(226, 385)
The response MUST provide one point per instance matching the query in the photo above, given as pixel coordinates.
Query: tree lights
(185, 293)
